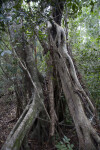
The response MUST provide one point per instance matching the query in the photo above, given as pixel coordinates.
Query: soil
(8, 120)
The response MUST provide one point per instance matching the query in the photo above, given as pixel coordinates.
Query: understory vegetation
(50, 75)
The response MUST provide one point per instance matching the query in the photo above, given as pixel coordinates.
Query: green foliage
(42, 65)
(5, 52)
(69, 120)
(83, 25)
(64, 144)
(84, 37)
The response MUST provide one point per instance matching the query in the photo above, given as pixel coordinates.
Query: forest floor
(8, 120)
(7, 117)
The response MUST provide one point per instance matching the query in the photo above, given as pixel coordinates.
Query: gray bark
(74, 93)
(24, 55)
(23, 125)
(34, 106)
(51, 96)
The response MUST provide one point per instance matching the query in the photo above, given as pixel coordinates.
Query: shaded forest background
(83, 32)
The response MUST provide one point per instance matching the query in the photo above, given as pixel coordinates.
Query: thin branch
(25, 68)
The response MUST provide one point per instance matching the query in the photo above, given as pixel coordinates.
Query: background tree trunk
(64, 77)
(33, 98)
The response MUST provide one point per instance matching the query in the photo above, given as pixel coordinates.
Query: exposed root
(58, 42)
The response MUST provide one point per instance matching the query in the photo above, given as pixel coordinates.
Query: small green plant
(64, 144)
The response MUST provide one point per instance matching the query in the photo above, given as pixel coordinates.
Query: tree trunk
(51, 96)
(35, 100)
(23, 125)
(74, 93)
(24, 55)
